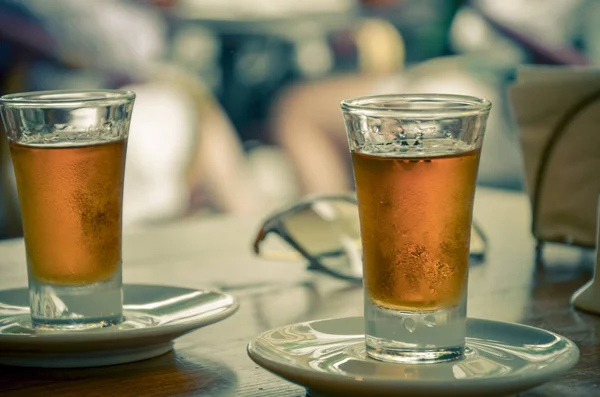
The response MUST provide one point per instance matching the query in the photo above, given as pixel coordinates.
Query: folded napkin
(557, 112)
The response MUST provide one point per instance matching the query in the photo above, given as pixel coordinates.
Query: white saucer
(328, 358)
(154, 316)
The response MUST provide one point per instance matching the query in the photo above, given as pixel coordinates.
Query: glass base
(68, 307)
(404, 336)
(386, 350)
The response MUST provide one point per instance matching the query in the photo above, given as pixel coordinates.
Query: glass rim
(416, 105)
(67, 98)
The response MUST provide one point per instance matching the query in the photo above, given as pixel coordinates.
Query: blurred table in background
(276, 18)
(215, 253)
(248, 50)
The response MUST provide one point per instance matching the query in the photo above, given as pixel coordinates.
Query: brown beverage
(415, 226)
(71, 203)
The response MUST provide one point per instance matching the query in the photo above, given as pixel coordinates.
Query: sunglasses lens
(330, 232)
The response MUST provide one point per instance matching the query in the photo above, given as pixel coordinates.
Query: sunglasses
(325, 231)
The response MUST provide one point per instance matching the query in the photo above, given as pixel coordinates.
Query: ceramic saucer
(154, 316)
(328, 358)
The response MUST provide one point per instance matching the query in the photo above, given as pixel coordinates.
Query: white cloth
(161, 141)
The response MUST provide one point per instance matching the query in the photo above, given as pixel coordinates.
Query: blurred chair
(11, 80)
(10, 224)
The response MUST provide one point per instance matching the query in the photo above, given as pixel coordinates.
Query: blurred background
(237, 106)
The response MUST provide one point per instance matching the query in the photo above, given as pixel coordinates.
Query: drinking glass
(68, 151)
(415, 159)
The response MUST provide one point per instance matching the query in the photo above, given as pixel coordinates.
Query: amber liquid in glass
(71, 204)
(415, 214)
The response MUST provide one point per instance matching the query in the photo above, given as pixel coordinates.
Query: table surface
(215, 253)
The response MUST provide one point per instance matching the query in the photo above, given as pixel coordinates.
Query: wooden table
(215, 252)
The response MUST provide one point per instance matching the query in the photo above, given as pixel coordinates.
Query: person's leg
(158, 151)
(307, 124)
(182, 142)
(219, 163)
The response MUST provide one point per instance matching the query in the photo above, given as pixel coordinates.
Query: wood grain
(216, 253)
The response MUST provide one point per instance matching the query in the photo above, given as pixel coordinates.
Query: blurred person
(307, 125)
(183, 152)
(181, 140)
(306, 119)
(556, 32)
